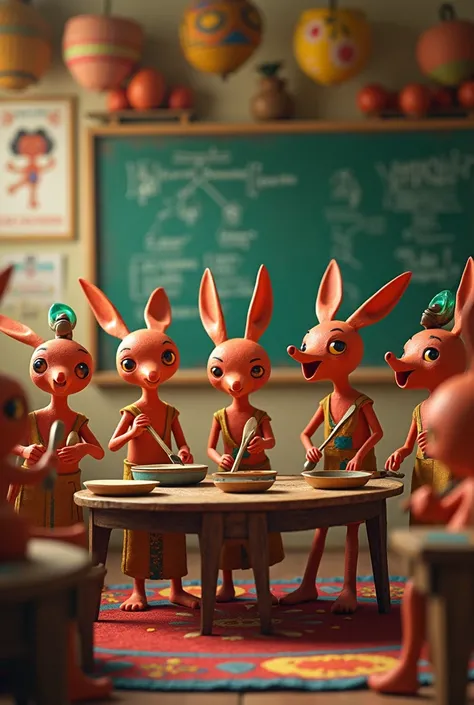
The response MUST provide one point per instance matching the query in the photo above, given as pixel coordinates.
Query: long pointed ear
(107, 316)
(463, 295)
(20, 332)
(261, 306)
(210, 309)
(330, 293)
(5, 278)
(468, 330)
(158, 311)
(380, 304)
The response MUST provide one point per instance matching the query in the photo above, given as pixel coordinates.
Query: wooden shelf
(143, 116)
(280, 377)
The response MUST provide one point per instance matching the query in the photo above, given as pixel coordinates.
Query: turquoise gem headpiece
(440, 311)
(62, 320)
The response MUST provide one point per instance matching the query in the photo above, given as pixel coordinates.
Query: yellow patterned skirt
(53, 508)
(152, 556)
(428, 471)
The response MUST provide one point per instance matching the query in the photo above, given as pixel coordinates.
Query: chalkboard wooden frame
(280, 376)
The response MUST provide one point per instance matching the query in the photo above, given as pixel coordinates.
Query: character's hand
(10, 166)
(226, 461)
(256, 445)
(314, 455)
(394, 461)
(355, 464)
(423, 504)
(33, 453)
(422, 440)
(139, 425)
(185, 454)
(72, 454)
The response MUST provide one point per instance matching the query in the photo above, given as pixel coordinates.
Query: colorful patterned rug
(311, 649)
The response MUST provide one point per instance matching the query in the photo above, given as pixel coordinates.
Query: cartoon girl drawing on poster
(31, 145)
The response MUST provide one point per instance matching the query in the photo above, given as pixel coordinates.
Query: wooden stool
(88, 605)
(38, 598)
(442, 566)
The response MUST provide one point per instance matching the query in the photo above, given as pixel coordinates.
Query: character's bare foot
(307, 592)
(346, 603)
(401, 680)
(137, 602)
(82, 687)
(178, 596)
(225, 593)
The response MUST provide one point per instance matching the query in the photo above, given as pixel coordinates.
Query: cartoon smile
(152, 383)
(60, 384)
(310, 368)
(402, 377)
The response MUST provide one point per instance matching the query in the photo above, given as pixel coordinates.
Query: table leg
(450, 620)
(211, 538)
(258, 548)
(49, 645)
(99, 538)
(377, 535)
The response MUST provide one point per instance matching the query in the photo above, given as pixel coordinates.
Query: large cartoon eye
(314, 31)
(82, 370)
(430, 354)
(337, 347)
(257, 371)
(217, 372)
(168, 357)
(128, 365)
(251, 18)
(210, 21)
(344, 53)
(303, 347)
(14, 408)
(40, 365)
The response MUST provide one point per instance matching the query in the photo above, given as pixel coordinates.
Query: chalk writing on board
(438, 171)
(429, 266)
(345, 187)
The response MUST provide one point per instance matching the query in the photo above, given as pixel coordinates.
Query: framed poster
(37, 169)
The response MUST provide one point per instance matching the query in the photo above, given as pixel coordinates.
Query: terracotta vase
(272, 102)
(101, 51)
(25, 45)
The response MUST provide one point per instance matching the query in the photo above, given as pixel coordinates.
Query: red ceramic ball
(466, 94)
(146, 89)
(117, 100)
(372, 99)
(415, 100)
(181, 98)
(442, 98)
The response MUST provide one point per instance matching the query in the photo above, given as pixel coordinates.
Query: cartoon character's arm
(225, 460)
(15, 169)
(263, 442)
(17, 476)
(49, 165)
(184, 450)
(312, 453)
(399, 455)
(129, 427)
(89, 446)
(427, 507)
(375, 436)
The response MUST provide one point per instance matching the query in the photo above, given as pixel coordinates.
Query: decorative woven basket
(25, 45)
(101, 51)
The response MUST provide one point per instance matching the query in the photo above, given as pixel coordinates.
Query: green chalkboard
(171, 201)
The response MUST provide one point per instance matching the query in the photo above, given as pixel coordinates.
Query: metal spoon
(247, 435)
(56, 434)
(175, 459)
(309, 465)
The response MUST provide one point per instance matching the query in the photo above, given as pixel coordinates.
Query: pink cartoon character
(331, 351)
(33, 146)
(429, 358)
(61, 367)
(146, 358)
(239, 367)
(15, 530)
(449, 420)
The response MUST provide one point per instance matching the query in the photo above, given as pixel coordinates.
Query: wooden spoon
(56, 434)
(247, 435)
(175, 459)
(309, 465)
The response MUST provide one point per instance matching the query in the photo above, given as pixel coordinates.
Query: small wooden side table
(38, 598)
(442, 567)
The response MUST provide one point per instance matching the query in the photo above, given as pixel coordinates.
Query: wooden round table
(290, 505)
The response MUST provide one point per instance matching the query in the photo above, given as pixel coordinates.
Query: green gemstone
(58, 309)
(443, 305)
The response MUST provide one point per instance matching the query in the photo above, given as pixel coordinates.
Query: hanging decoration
(218, 36)
(101, 51)
(25, 45)
(445, 52)
(332, 45)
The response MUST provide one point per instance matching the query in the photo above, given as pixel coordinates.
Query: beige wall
(396, 25)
